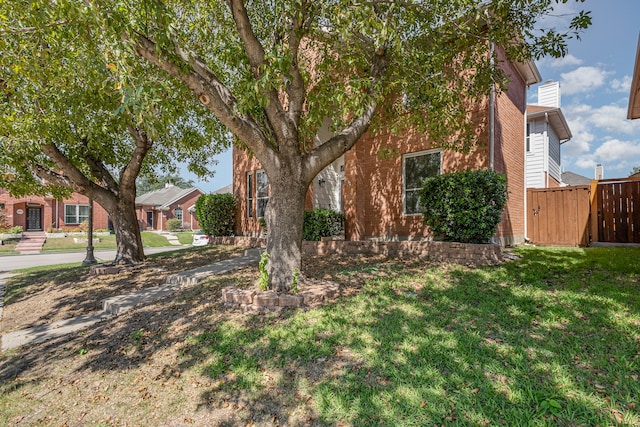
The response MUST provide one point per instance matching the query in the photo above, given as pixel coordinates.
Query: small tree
(216, 214)
(464, 206)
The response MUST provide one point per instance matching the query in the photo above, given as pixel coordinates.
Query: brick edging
(454, 252)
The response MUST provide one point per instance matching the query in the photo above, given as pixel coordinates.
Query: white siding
(549, 95)
(327, 185)
(554, 156)
(535, 165)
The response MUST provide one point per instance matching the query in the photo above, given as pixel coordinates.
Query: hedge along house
(155, 208)
(547, 130)
(44, 213)
(375, 183)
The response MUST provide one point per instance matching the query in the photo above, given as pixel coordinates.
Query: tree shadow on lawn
(34, 299)
(448, 345)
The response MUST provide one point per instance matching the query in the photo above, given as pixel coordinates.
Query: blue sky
(595, 79)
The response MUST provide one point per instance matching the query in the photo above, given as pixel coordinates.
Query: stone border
(457, 253)
(255, 301)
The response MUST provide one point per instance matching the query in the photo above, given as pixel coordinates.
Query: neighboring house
(634, 96)
(155, 208)
(375, 184)
(546, 131)
(44, 213)
(570, 179)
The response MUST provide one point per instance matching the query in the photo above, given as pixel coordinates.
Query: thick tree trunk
(284, 218)
(129, 249)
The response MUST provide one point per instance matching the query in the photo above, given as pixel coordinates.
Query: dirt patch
(40, 298)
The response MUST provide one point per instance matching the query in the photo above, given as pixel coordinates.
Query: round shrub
(322, 223)
(216, 214)
(464, 206)
(174, 224)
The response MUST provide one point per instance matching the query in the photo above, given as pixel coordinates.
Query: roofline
(529, 72)
(556, 112)
(175, 199)
(633, 111)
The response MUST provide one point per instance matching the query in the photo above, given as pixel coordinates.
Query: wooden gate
(618, 205)
(558, 216)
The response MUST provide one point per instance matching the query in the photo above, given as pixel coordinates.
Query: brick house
(44, 213)
(547, 130)
(155, 208)
(375, 183)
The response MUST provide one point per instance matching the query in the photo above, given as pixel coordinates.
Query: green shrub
(464, 206)
(216, 214)
(322, 223)
(15, 230)
(174, 224)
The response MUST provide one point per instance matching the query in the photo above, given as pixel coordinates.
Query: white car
(200, 239)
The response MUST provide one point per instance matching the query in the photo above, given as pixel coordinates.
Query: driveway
(16, 262)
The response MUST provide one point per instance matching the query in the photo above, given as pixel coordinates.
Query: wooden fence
(606, 211)
(558, 216)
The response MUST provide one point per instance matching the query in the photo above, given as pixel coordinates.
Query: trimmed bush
(322, 223)
(464, 206)
(216, 214)
(174, 224)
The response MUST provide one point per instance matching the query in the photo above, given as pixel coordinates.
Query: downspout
(492, 118)
(546, 150)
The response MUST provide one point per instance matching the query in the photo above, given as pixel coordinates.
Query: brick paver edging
(256, 301)
(457, 253)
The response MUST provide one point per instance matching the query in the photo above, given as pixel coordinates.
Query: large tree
(78, 115)
(273, 71)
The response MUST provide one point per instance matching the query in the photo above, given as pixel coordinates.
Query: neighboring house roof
(555, 117)
(164, 197)
(570, 178)
(634, 96)
(227, 189)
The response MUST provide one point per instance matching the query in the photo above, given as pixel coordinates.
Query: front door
(149, 219)
(34, 219)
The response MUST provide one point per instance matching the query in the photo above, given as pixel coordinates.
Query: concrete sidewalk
(118, 304)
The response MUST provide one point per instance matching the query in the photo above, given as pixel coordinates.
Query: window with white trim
(262, 193)
(528, 138)
(415, 168)
(177, 213)
(76, 214)
(249, 194)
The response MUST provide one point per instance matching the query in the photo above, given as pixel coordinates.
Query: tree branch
(210, 91)
(324, 154)
(285, 131)
(130, 173)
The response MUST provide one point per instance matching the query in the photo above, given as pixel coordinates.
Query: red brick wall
(52, 210)
(373, 184)
(509, 154)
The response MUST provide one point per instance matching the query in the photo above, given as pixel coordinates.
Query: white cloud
(583, 79)
(616, 156)
(623, 85)
(566, 61)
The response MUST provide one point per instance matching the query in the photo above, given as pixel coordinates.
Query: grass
(8, 246)
(66, 244)
(550, 339)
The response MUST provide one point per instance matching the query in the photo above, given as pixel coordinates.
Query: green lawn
(8, 246)
(551, 339)
(65, 244)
